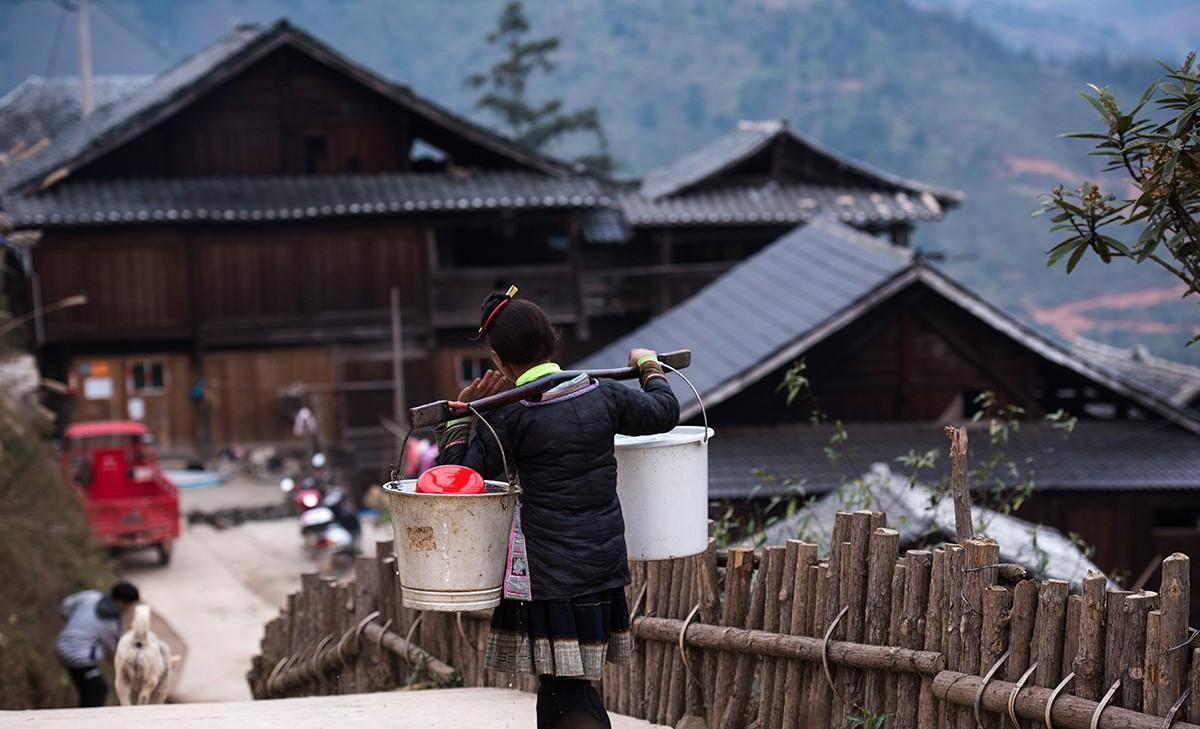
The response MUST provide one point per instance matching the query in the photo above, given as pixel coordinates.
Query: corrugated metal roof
(211, 66)
(1174, 381)
(39, 108)
(775, 204)
(710, 159)
(748, 139)
(765, 303)
(298, 197)
(1043, 551)
(1098, 455)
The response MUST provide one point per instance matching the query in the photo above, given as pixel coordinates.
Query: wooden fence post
(1174, 593)
(891, 686)
(959, 486)
(774, 559)
(1132, 662)
(885, 543)
(1114, 625)
(1048, 632)
(917, 566)
(929, 710)
(1089, 658)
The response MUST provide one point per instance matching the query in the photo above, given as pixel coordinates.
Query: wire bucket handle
(703, 411)
(398, 471)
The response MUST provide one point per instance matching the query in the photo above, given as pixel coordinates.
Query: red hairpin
(508, 296)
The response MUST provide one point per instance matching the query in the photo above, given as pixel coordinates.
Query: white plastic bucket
(450, 549)
(662, 481)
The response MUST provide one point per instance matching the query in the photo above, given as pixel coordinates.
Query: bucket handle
(499, 446)
(703, 412)
(398, 471)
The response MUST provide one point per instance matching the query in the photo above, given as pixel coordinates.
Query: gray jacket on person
(92, 630)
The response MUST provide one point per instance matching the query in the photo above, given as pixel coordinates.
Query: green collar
(537, 372)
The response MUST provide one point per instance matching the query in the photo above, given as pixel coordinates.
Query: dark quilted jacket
(562, 450)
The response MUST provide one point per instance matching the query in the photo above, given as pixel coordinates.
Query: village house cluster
(239, 222)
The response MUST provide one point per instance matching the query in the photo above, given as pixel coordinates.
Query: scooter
(307, 494)
(331, 531)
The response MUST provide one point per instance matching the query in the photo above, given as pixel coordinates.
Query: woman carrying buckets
(564, 611)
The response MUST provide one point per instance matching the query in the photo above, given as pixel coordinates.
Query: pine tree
(505, 89)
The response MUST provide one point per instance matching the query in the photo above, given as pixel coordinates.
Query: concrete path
(474, 708)
(222, 586)
(217, 616)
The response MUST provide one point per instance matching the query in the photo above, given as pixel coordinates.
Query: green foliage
(1158, 157)
(505, 89)
(794, 382)
(861, 717)
(46, 541)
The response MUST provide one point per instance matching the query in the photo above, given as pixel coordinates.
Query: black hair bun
(491, 302)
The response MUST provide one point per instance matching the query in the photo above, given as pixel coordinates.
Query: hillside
(1065, 29)
(921, 91)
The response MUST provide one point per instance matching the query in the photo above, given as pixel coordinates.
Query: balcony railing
(457, 293)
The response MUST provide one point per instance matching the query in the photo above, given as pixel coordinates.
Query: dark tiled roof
(774, 204)
(266, 198)
(605, 225)
(39, 108)
(111, 125)
(747, 140)
(775, 305)
(778, 295)
(1173, 381)
(1104, 455)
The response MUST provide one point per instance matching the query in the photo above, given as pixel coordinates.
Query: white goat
(143, 663)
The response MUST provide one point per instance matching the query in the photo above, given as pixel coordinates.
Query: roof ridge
(170, 89)
(749, 137)
(1136, 353)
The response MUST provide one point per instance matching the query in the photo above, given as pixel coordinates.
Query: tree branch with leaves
(1157, 156)
(505, 88)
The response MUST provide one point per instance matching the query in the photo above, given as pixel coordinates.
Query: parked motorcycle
(331, 532)
(329, 526)
(308, 492)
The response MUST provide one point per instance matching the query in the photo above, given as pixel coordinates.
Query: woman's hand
(637, 353)
(492, 382)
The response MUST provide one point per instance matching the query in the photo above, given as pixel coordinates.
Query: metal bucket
(662, 481)
(450, 549)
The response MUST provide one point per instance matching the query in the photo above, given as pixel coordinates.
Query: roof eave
(802, 343)
(1052, 351)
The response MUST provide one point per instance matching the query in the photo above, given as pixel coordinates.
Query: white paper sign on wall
(136, 407)
(98, 388)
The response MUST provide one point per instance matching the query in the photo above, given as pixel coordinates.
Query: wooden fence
(792, 636)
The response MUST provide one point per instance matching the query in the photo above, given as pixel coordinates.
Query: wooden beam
(967, 352)
(762, 643)
(1068, 712)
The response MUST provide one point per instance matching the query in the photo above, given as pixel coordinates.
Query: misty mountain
(925, 91)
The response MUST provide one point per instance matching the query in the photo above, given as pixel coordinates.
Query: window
(146, 377)
(471, 366)
(1176, 518)
(314, 153)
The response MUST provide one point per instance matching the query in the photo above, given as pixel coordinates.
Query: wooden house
(238, 221)
(694, 218)
(892, 349)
